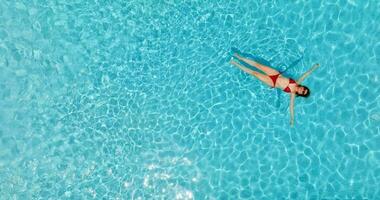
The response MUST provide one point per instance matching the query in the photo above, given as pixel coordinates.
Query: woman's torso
(286, 84)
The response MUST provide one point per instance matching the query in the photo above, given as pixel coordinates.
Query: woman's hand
(315, 66)
(291, 122)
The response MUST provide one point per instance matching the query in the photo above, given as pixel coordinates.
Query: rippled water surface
(136, 100)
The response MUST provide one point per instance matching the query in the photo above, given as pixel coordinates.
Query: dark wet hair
(304, 95)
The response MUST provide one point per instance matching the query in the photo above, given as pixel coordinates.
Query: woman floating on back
(275, 79)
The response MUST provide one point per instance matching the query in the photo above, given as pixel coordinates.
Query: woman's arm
(291, 108)
(315, 66)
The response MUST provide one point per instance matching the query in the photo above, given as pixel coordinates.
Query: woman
(275, 79)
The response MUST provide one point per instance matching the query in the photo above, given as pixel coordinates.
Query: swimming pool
(136, 100)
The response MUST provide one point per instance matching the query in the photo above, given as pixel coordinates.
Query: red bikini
(286, 89)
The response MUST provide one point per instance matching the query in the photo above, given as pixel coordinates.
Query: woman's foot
(236, 55)
(233, 62)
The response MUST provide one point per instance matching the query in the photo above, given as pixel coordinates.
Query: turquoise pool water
(137, 100)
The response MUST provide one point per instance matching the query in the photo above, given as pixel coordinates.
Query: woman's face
(302, 90)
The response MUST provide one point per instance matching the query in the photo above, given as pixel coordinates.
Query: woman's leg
(262, 77)
(268, 70)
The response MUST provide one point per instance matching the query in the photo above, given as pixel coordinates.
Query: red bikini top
(287, 89)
